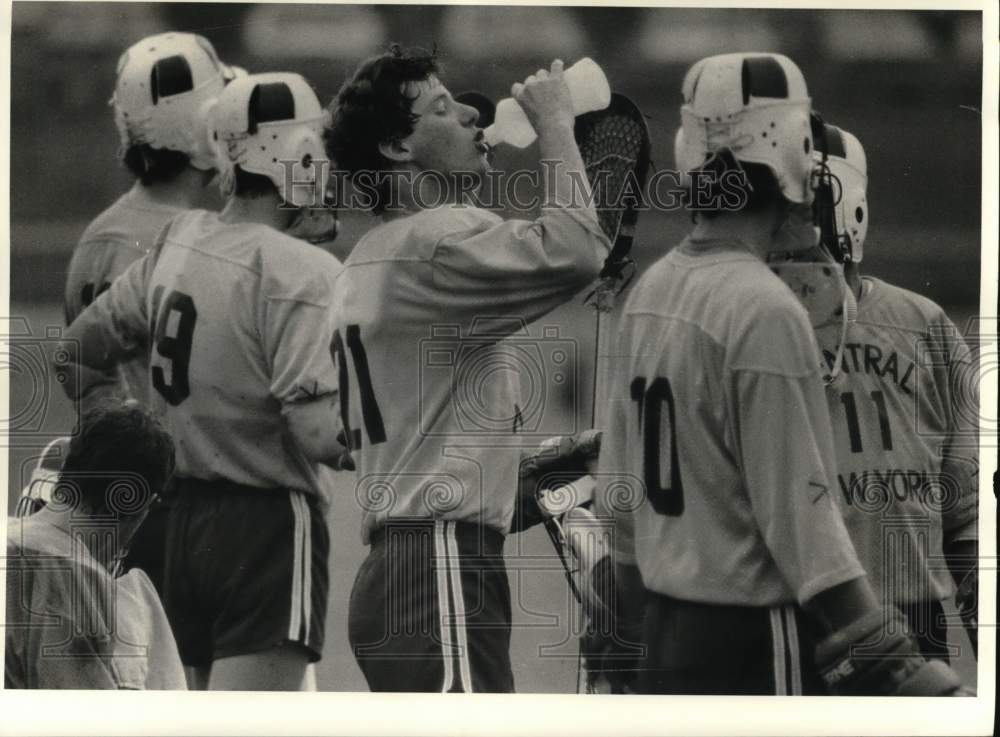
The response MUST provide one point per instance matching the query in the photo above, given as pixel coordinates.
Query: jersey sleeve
(297, 330)
(123, 306)
(145, 638)
(97, 261)
(527, 268)
(112, 330)
(116, 325)
(784, 441)
(958, 384)
(75, 299)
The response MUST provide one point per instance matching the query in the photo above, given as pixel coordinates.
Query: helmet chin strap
(849, 311)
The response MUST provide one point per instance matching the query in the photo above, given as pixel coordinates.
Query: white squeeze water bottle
(588, 90)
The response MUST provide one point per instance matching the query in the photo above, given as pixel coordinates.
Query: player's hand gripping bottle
(588, 89)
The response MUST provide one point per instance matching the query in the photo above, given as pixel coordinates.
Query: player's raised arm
(479, 263)
(527, 268)
(533, 266)
(545, 99)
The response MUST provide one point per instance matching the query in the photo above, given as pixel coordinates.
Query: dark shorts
(695, 648)
(246, 570)
(926, 622)
(430, 609)
(148, 549)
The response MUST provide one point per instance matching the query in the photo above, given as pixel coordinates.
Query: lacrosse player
(165, 83)
(717, 404)
(904, 402)
(238, 315)
(430, 610)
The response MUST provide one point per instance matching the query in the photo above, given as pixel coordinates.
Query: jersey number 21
(370, 412)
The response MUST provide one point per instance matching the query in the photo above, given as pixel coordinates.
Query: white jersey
(904, 411)
(118, 236)
(240, 323)
(716, 457)
(428, 396)
(70, 624)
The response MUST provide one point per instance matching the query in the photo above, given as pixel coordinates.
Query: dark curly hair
(373, 108)
(120, 456)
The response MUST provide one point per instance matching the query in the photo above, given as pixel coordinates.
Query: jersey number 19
(173, 334)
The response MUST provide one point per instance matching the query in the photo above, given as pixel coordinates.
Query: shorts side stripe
(778, 646)
(454, 569)
(795, 677)
(444, 623)
(306, 566)
(295, 610)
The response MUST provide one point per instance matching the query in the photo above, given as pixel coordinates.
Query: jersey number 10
(652, 401)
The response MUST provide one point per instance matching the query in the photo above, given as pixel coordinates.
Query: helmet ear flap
(859, 228)
(301, 183)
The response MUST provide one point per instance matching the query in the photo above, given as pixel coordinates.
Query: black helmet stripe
(694, 85)
(270, 102)
(835, 142)
(763, 77)
(170, 76)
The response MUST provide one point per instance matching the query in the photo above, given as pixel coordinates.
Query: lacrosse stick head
(483, 105)
(614, 144)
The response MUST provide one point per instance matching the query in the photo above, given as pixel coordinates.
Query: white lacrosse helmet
(849, 167)
(264, 122)
(165, 89)
(756, 105)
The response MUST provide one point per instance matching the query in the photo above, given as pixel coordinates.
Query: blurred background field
(907, 83)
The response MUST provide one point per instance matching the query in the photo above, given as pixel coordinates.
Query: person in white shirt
(70, 622)
(433, 436)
